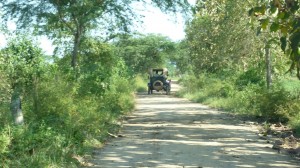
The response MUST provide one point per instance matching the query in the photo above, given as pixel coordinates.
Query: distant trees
(143, 52)
(74, 18)
(67, 114)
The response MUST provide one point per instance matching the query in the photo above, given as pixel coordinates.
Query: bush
(252, 76)
(65, 110)
(62, 122)
(269, 102)
(295, 123)
(141, 83)
(35, 146)
(248, 98)
(205, 86)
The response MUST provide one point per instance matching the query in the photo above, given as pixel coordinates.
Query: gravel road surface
(165, 131)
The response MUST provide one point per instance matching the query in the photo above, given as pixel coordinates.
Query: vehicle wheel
(168, 90)
(149, 91)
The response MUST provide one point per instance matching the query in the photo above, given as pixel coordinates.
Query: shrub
(35, 145)
(269, 103)
(141, 83)
(5, 140)
(206, 86)
(252, 76)
(244, 96)
(62, 122)
(65, 111)
(295, 123)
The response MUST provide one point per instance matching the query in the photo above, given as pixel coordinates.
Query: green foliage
(144, 52)
(205, 87)
(74, 19)
(65, 111)
(225, 60)
(180, 58)
(23, 62)
(34, 145)
(279, 104)
(141, 83)
(267, 103)
(63, 121)
(216, 26)
(96, 67)
(283, 17)
(295, 123)
(5, 92)
(251, 76)
(23, 66)
(5, 141)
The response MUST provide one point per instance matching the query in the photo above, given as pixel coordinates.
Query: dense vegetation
(65, 113)
(56, 108)
(238, 55)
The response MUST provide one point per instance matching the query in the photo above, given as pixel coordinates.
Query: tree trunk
(268, 67)
(77, 39)
(35, 94)
(75, 52)
(16, 108)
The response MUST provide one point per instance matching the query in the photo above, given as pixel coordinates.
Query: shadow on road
(171, 132)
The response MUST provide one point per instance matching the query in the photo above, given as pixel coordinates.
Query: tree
(74, 18)
(143, 52)
(22, 64)
(180, 57)
(282, 16)
(96, 67)
(219, 37)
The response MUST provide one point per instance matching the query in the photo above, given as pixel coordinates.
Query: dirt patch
(282, 138)
(165, 131)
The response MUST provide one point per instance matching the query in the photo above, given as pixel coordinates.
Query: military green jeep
(158, 80)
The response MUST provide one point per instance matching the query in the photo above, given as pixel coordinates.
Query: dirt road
(165, 131)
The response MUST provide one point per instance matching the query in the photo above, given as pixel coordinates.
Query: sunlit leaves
(283, 18)
(143, 52)
(219, 36)
(72, 20)
(23, 62)
(257, 11)
(274, 27)
(264, 23)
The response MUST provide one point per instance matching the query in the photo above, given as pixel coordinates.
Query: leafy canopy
(219, 38)
(23, 62)
(74, 18)
(144, 52)
(282, 16)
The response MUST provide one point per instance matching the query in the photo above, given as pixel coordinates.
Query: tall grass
(141, 83)
(64, 122)
(246, 97)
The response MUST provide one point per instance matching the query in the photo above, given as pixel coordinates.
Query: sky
(159, 23)
(154, 22)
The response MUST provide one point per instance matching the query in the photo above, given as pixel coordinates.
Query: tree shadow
(170, 132)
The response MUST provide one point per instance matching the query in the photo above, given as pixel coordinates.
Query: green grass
(291, 85)
(64, 123)
(141, 83)
(253, 100)
(295, 123)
